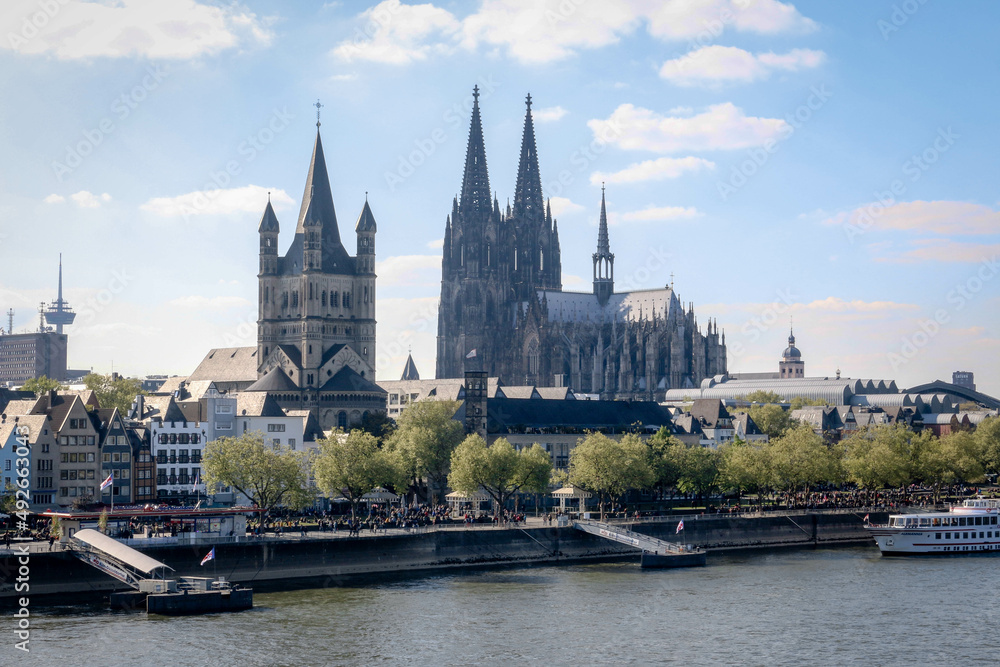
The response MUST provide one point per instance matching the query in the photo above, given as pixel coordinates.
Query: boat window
(961, 520)
(936, 522)
(925, 522)
(947, 536)
(979, 520)
(937, 536)
(993, 520)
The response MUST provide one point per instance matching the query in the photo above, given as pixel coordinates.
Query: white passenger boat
(972, 527)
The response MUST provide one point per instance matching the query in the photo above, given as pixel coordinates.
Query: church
(316, 315)
(502, 301)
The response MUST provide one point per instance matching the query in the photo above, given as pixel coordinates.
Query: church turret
(791, 364)
(268, 231)
(604, 259)
(366, 229)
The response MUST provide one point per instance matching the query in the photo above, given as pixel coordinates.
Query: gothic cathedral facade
(502, 296)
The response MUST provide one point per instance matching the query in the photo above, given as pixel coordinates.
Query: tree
(499, 470)
(41, 385)
(699, 472)
(353, 465)
(269, 475)
(988, 437)
(963, 454)
(426, 435)
(114, 391)
(745, 467)
(664, 458)
(798, 402)
(801, 458)
(608, 468)
(378, 424)
(761, 396)
(879, 457)
(771, 419)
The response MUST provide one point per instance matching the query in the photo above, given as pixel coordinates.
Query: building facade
(501, 295)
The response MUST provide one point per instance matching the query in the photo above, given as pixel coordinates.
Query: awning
(378, 493)
(570, 492)
(119, 551)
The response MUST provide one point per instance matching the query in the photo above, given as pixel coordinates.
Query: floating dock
(656, 553)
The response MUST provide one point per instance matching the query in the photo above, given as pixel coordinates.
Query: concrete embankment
(313, 561)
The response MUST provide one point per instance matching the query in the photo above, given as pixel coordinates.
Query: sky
(830, 166)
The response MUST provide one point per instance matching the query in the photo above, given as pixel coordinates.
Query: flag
(680, 527)
(209, 556)
(471, 354)
(866, 519)
(194, 487)
(106, 483)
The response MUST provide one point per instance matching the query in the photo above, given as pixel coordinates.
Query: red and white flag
(209, 556)
(471, 354)
(866, 518)
(106, 483)
(680, 527)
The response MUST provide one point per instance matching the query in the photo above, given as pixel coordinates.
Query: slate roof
(275, 380)
(621, 306)
(504, 413)
(257, 404)
(162, 408)
(556, 393)
(348, 380)
(228, 364)
(410, 369)
(709, 411)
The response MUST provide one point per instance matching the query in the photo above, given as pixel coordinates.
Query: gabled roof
(257, 404)
(293, 354)
(504, 413)
(20, 407)
(162, 408)
(170, 385)
(348, 380)
(556, 393)
(228, 364)
(709, 410)
(275, 380)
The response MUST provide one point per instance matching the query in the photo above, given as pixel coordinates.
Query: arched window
(342, 419)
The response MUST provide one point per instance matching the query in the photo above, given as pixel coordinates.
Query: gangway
(655, 552)
(114, 558)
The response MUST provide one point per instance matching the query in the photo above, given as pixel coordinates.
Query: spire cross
(475, 92)
(318, 107)
(529, 101)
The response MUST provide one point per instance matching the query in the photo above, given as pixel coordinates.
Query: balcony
(182, 459)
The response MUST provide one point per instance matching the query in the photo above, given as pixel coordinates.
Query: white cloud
(653, 170)
(562, 205)
(398, 34)
(548, 115)
(343, 77)
(127, 28)
(408, 270)
(941, 250)
(937, 217)
(720, 127)
(85, 199)
(212, 303)
(534, 31)
(247, 199)
(713, 65)
(436, 244)
(661, 213)
(54, 199)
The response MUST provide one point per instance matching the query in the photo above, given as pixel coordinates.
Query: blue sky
(834, 163)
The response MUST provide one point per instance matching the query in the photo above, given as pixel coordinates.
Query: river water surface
(825, 607)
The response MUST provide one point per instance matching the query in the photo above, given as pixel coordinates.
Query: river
(829, 606)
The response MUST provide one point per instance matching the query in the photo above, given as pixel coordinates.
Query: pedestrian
(52, 539)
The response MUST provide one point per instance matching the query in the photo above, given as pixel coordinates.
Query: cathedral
(502, 301)
(316, 303)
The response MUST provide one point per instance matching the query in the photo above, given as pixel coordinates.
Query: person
(52, 539)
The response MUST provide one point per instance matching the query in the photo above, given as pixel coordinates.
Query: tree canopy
(114, 392)
(771, 419)
(499, 470)
(765, 397)
(269, 475)
(354, 465)
(40, 385)
(425, 437)
(608, 468)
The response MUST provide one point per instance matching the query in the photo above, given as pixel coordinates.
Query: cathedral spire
(528, 191)
(603, 244)
(604, 259)
(476, 181)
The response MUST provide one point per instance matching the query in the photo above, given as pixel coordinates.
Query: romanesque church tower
(316, 305)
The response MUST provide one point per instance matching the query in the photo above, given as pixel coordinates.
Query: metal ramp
(623, 536)
(114, 558)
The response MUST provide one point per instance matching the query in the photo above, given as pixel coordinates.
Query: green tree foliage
(761, 396)
(964, 455)
(353, 465)
(608, 468)
(699, 470)
(878, 457)
(665, 458)
(771, 419)
(425, 437)
(499, 470)
(988, 437)
(268, 475)
(40, 385)
(800, 458)
(799, 402)
(114, 392)
(378, 424)
(745, 467)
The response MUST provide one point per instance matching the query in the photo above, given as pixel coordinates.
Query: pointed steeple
(268, 221)
(528, 201)
(317, 200)
(366, 221)
(603, 244)
(410, 369)
(476, 181)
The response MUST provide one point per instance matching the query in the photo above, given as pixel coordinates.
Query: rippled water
(836, 606)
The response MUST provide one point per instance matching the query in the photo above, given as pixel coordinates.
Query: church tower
(316, 309)
(791, 364)
(604, 259)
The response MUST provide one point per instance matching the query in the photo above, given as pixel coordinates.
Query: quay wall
(272, 564)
